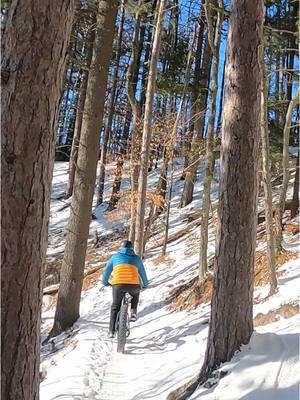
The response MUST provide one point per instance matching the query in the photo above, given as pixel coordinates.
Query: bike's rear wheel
(122, 328)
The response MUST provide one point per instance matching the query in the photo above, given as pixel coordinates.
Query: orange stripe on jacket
(125, 274)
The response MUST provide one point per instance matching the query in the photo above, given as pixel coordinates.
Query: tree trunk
(173, 140)
(169, 155)
(219, 124)
(67, 309)
(231, 321)
(285, 168)
(147, 58)
(195, 118)
(115, 195)
(34, 47)
(196, 146)
(136, 111)
(161, 190)
(209, 161)
(267, 183)
(80, 107)
(111, 109)
(64, 103)
(142, 187)
(295, 201)
(196, 103)
(164, 249)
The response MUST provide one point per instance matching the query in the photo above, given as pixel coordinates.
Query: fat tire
(122, 328)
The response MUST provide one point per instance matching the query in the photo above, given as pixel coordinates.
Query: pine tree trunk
(142, 186)
(71, 277)
(231, 321)
(285, 168)
(267, 184)
(34, 47)
(111, 109)
(209, 161)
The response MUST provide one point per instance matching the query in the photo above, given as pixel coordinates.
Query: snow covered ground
(166, 348)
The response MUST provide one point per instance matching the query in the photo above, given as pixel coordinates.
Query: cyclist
(128, 275)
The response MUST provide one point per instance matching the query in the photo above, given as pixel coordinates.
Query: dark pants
(118, 294)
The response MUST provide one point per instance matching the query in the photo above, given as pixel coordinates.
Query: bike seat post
(128, 297)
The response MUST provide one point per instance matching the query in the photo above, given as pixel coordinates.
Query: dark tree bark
(34, 46)
(67, 309)
(231, 321)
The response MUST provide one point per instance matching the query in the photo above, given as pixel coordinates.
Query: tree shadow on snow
(165, 339)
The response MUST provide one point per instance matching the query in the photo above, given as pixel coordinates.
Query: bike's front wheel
(122, 328)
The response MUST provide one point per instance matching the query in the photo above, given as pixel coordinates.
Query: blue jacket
(126, 268)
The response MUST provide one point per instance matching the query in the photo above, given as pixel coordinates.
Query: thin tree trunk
(76, 137)
(209, 161)
(164, 249)
(34, 48)
(67, 309)
(231, 321)
(80, 107)
(196, 120)
(267, 183)
(161, 190)
(132, 79)
(111, 108)
(219, 124)
(147, 58)
(142, 187)
(295, 201)
(197, 106)
(136, 110)
(115, 195)
(64, 104)
(169, 155)
(285, 168)
(196, 146)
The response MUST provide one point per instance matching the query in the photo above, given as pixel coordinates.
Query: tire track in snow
(100, 357)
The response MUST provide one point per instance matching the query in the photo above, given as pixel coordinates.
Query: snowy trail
(149, 349)
(165, 348)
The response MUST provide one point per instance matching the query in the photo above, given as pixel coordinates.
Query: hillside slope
(166, 346)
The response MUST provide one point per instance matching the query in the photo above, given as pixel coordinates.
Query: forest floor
(167, 342)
